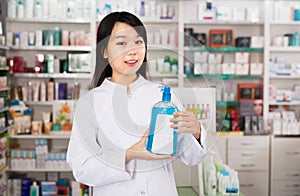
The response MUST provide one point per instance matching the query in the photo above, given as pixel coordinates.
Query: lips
(131, 63)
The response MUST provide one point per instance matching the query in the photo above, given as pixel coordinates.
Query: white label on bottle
(163, 135)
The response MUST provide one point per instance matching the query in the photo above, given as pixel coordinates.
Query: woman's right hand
(139, 151)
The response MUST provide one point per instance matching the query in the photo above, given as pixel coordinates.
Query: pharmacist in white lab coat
(107, 146)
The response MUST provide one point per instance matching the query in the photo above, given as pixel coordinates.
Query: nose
(131, 50)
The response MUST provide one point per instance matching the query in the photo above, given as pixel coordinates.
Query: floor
(186, 191)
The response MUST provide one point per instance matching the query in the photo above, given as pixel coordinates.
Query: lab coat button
(142, 192)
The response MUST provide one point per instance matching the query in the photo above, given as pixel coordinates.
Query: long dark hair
(103, 68)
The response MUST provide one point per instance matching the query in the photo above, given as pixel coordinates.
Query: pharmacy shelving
(55, 75)
(4, 129)
(39, 103)
(4, 47)
(285, 49)
(289, 23)
(227, 103)
(6, 68)
(284, 178)
(223, 76)
(274, 27)
(53, 48)
(291, 103)
(162, 75)
(4, 89)
(283, 77)
(225, 49)
(53, 135)
(158, 21)
(161, 48)
(35, 20)
(3, 109)
(215, 22)
(39, 170)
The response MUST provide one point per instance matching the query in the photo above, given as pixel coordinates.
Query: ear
(105, 54)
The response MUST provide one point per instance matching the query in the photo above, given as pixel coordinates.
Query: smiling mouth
(131, 63)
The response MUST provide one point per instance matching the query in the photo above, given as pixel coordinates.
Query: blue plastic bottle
(162, 138)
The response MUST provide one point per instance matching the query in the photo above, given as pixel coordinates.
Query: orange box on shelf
(220, 37)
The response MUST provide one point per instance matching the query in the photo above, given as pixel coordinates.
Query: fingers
(183, 113)
(153, 156)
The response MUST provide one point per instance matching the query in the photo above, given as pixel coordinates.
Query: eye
(139, 42)
(121, 43)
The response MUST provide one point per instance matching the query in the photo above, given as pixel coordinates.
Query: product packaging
(162, 138)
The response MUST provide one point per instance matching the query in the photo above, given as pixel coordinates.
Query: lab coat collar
(107, 84)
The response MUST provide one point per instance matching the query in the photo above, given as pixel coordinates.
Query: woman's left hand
(187, 122)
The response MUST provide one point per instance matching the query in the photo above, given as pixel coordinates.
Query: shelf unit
(284, 167)
(4, 127)
(227, 83)
(28, 52)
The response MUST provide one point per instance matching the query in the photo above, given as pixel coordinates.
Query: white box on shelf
(38, 38)
(238, 14)
(253, 14)
(296, 92)
(272, 92)
(228, 68)
(214, 68)
(201, 11)
(242, 69)
(215, 58)
(9, 38)
(224, 13)
(242, 57)
(24, 39)
(257, 42)
(200, 57)
(256, 69)
(200, 68)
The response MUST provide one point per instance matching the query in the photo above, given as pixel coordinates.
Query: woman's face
(125, 50)
(258, 106)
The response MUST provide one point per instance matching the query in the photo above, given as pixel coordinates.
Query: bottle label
(163, 135)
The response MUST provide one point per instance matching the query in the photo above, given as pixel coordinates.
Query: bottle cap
(166, 93)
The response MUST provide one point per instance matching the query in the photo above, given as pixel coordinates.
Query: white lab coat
(107, 121)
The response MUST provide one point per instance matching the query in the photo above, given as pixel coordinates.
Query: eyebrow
(124, 36)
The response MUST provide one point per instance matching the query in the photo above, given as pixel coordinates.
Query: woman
(107, 146)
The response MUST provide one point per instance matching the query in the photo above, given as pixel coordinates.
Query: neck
(125, 80)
